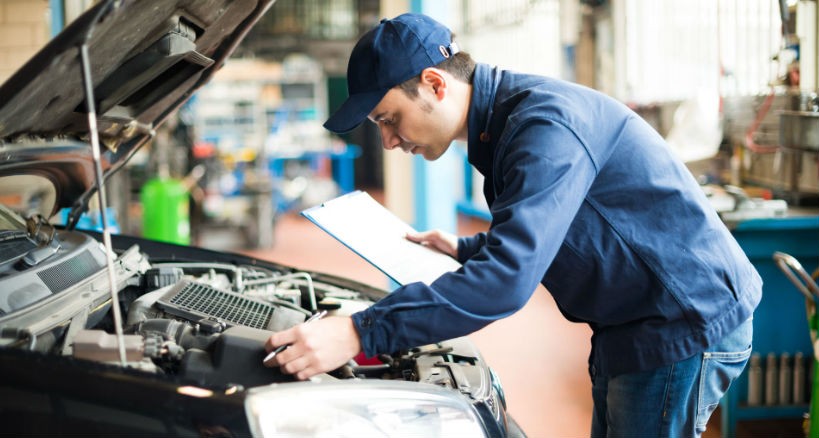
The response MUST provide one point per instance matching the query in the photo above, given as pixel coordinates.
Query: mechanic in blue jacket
(586, 198)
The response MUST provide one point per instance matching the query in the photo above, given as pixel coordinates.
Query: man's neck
(464, 96)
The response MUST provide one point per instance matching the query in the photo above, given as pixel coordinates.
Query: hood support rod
(88, 84)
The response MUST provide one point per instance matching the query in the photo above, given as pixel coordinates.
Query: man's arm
(530, 218)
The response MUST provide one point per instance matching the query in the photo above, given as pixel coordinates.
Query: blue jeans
(671, 401)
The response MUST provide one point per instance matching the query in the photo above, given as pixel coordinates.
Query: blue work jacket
(587, 199)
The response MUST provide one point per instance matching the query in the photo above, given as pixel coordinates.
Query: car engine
(199, 322)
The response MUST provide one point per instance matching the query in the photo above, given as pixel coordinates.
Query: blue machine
(780, 323)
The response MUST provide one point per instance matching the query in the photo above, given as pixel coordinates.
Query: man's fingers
(307, 373)
(293, 366)
(427, 237)
(437, 239)
(418, 237)
(301, 364)
(297, 346)
(279, 338)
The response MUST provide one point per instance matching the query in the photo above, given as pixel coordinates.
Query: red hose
(749, 135)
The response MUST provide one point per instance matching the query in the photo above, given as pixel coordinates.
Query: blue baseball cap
(391, 53)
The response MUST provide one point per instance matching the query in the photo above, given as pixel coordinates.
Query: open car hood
(147, 57)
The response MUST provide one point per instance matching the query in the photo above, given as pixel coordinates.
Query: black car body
(158, 338)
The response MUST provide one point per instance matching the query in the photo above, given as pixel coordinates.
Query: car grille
(70, 272)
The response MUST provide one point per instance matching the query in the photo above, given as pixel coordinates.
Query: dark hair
(461, 66)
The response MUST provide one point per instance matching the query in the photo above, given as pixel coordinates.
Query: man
(586, 198)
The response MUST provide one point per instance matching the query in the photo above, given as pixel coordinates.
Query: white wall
(664, 51)
(528, 39)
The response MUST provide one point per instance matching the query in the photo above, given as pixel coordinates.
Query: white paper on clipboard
(377, 235)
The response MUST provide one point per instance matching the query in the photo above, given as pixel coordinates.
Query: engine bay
(200, 322)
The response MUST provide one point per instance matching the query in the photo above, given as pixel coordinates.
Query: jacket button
(366, 322)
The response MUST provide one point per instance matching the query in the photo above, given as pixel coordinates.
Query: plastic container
(165, 213)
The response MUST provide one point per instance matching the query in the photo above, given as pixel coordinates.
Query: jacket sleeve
(469, 246)
(542, 177)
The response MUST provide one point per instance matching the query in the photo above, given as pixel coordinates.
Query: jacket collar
(480, 139)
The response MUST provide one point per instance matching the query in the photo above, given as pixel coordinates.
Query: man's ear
(434, 80)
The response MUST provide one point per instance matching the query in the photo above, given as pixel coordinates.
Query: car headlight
(354, 408)
(496, 383)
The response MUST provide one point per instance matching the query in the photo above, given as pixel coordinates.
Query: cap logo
(444, 51)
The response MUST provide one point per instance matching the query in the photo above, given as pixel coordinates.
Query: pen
(280, 348)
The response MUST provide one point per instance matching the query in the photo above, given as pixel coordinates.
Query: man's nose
(389, 140)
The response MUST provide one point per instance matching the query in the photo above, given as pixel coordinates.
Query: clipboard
(377, 235)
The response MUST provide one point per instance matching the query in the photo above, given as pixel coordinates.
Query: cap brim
(353, 111)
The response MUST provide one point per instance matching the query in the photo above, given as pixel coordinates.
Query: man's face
(417, 126)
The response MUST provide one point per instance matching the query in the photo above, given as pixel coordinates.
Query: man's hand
(315, 348)
(442, 241)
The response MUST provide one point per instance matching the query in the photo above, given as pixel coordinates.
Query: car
(111, 334)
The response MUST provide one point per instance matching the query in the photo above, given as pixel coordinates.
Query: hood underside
(146, 58)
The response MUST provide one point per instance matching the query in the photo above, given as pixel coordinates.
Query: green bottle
(165, 214)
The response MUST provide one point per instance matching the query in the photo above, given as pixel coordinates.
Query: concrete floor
(540, 357)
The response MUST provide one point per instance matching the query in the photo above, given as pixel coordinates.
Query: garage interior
(247, 154)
